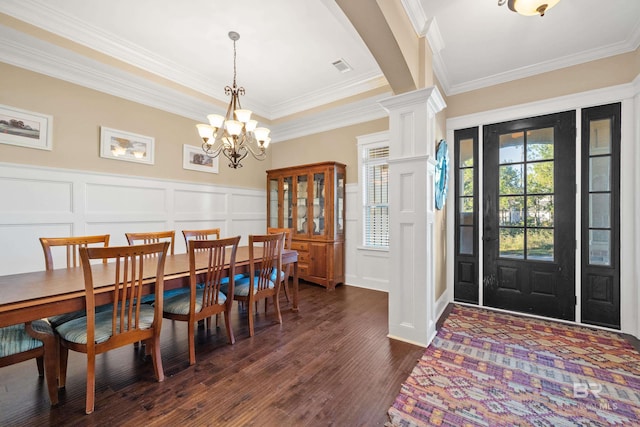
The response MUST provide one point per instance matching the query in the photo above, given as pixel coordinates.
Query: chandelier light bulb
(215, 120)
(251, 125)
(243, 115)
(261, 134)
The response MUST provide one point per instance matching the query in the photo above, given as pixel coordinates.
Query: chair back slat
(153, 237)
(72, 246)
(130, 263)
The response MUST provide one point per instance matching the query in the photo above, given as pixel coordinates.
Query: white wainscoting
(46, 202)
(365, 268)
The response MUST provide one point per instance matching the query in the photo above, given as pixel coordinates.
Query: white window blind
(376, 196)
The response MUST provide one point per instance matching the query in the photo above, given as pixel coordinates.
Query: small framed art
(127, 146)
(25, 128)
(194, 158)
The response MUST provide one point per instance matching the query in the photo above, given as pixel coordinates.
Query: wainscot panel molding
(49, 202)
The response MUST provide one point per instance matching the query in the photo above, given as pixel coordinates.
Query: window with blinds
(376, 196)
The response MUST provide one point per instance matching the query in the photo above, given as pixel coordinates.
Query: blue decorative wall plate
(442, 173)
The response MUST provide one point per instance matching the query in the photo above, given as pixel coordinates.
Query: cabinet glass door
(273, 202)
(318, 225)
(301, 226)
(339, 203)
(287, 202)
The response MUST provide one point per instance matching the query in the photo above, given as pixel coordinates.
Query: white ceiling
(286, 47)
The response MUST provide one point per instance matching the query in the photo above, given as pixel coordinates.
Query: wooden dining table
(35, 295)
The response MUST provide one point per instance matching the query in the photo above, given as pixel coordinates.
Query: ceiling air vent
(342, 66)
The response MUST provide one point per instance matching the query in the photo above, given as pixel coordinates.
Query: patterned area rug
(492, 369)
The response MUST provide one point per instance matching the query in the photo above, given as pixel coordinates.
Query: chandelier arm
(251, 144)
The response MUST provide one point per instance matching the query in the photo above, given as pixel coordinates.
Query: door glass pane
(600, 210)
(466, 210)
(466, 153)
(511, 181)
(540, 144)
(512, 243)
(600, 247)
(600, 137)
(540, 244)
(287, 187)
(600, 173)
(273, 202)
(540, 211)
(511, 212)
(340, 203)
(301, 203)
(540, 178)
(318, 225)
(466, 240)
(512, 147)
(466, 182)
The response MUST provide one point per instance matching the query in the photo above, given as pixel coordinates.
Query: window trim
(366, 142)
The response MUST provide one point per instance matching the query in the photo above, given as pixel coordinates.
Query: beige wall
(615, 70)
(79, 112)
(440, 217)
(338, 145)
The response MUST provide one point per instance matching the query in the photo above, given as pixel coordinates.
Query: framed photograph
(195, 159)
(121, 145)
(25, 128)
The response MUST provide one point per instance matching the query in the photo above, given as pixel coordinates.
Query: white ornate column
(411, 206)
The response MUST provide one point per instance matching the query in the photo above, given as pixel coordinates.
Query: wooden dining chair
(145, 238)
(17, 345)
(284, 275)
(129, 321)
(153, 237)
(203, 234)
(265, 257)
(71, 246)
(205, 298)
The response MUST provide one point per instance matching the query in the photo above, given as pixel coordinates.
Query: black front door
(529, 187)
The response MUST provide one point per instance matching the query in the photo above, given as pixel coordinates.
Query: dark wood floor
(331, 364)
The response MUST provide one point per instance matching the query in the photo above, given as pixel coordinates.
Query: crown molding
(346, 115)
(41, 57)
(417, 16)
(44, 15)
(543, 67)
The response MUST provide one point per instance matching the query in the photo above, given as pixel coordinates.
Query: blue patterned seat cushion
(76, 330)
(241, 286)
(273, 277)
(63, 318)
(14, 339)
(179, 304)
(150, 299)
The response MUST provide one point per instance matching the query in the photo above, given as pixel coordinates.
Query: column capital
(430, 95)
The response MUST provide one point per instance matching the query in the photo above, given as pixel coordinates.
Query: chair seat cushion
(151, 298)
(76, 330)
(273, 277)
(179, 304)
(59, 319)
(241, 287)
(14, 339)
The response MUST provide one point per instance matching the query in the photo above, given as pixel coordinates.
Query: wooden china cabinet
(310, 200)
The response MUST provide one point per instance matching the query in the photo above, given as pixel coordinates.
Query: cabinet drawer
(304, 257)
(300, 246)
(303, 270)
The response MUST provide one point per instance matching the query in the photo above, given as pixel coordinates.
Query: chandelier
(529, 7)
(234, 138)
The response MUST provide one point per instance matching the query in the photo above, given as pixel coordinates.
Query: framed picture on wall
(194, 158)
(131, 147)
(25, 128)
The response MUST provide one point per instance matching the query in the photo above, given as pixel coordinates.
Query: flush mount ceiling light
(529, 7)
(234, 138)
